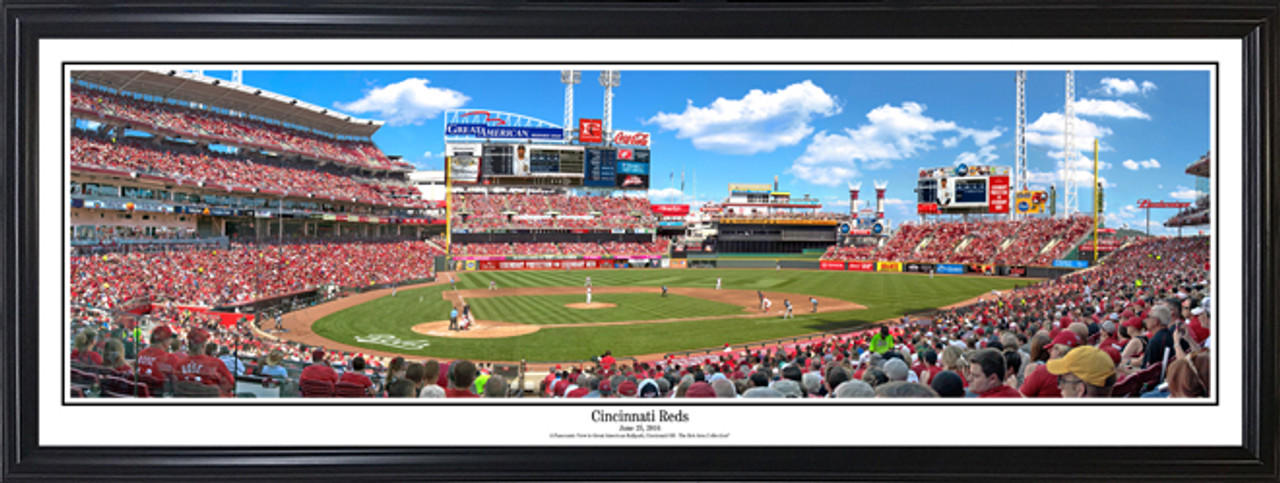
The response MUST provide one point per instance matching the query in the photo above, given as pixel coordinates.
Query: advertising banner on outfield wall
(542, 264)
(862, 266)
(1071, 263)
(951, 268)
(917, 267)
(889, 266)
(831, 265)
(679, 263)
(982, 268)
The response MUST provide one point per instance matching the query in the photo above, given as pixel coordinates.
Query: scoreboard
(963, 189)
(508, 164)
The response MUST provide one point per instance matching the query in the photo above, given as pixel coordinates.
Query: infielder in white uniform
(767, 303)
(588, 295)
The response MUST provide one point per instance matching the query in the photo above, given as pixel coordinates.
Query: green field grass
(886, 295)
(549, 309)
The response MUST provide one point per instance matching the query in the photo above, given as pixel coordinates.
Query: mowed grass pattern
(886, 295)
(549, 309)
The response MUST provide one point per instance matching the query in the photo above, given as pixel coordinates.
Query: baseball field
(542, 315)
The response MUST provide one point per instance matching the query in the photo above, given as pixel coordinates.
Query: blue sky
(816, 130)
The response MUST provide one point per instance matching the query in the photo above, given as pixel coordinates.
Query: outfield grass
(886, 295)
(549, 309)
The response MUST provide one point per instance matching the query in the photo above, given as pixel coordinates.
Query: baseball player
(931, 273)
(664, 290)
(777, 265)
(787, 315)
(767, 303)
(452, 282)
(588, 295)
(493, 285)
(588, 284)
(717, 283)
(278, 322)
(815, 304)
(393, 290)
(760, 295)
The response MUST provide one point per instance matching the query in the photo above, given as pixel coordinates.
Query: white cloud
(408, 102)
(1108, 108)
(897, 202)
(664, 194)
(428, 154)
(893, 133)
(951, 142)
(1184, 193)
(1146, 163)
(758, 122)
(985, 155)
(1047, 133)
(1112, 86)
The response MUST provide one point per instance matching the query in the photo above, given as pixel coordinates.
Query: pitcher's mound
(482, 329)
(593, 305)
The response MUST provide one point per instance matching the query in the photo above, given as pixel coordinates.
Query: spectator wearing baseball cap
(1040, 383)
(1086, 371)
(627, 389)
(987, 374)
(156, 361)
(703, 390)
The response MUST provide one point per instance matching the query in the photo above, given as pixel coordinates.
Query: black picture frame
(1255, 23)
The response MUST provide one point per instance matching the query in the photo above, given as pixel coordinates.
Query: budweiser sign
(631, 138)
(1145, 204)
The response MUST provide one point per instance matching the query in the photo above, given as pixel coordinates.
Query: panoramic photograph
(550, 235)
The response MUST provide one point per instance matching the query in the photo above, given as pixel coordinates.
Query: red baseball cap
(198, 336)
(1133, 322)
(605, 386)
(1067, 338)
(627, 388)
(578, 393)
(700, 389)
(161, 332)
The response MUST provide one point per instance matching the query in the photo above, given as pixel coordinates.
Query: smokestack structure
(880, 189)
(853, 200)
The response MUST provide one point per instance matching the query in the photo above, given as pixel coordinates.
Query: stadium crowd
(475, 211)
(204, 124)
(211, 277)
(574, 249)
(1033, 241)
(203, 166)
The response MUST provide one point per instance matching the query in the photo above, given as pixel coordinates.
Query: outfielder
(493, 285)
(664, 290)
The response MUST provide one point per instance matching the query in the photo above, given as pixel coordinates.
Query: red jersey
(208, 370)
(320, 372)
(156, 361)
(86, 357)
(451, 392)
(1041, 384)
(357, 379)
(607, 362)
(1001, 391)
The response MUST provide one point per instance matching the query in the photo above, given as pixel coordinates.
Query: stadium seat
(114, 386)
(314, 388)
(1138, 383)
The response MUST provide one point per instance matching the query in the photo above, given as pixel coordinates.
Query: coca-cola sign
(630, 138)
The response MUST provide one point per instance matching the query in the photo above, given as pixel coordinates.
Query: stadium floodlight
(1070, 203)
(569, 78)
(609, 79)
(1020, 139)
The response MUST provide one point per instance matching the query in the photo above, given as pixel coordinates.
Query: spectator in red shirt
(356, 375)
(461, 374)
(607, 361)
(986, 375)
(200, 367)
(83, 351)
(319, 369)
(155, 360)
(1041, 383)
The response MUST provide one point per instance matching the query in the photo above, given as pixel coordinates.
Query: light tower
(569, 78)
(880, 188)
(1020, 139)
(609, 79)
(1069, 200)
(853, 200)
